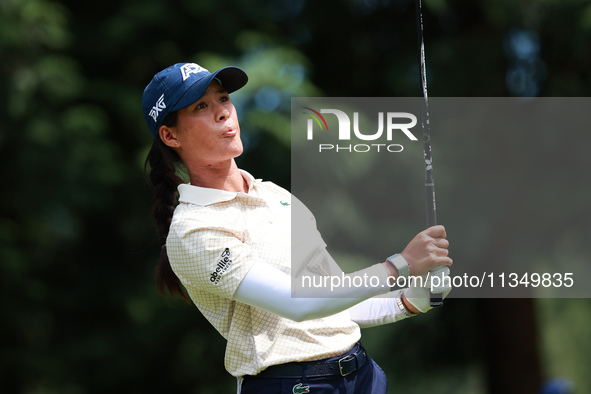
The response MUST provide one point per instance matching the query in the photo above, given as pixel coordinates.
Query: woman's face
(208, 132)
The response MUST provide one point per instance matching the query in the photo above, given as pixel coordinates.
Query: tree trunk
(509, 334)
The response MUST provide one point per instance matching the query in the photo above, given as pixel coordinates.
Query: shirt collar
(206, 196)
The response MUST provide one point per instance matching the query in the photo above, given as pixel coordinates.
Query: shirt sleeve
(212, 260)
(266, 287)
(376, 311)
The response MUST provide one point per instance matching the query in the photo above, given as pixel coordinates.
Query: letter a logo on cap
(191, 68)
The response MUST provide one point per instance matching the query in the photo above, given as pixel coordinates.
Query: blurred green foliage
(77, 249)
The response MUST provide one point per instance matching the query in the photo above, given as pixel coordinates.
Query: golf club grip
(436, 299)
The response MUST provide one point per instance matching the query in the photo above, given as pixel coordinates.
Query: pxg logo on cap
(186, 70)
(181, 85)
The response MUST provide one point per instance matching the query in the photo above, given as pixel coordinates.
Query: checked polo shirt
(215, 237)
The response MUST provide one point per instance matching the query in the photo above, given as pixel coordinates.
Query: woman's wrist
(409, 307)
(392, 271)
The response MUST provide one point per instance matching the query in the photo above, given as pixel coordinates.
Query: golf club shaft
(436, 299)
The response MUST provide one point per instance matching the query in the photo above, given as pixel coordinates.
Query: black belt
(344, 366)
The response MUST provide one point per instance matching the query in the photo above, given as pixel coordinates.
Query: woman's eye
(200, 106)
(223, 99)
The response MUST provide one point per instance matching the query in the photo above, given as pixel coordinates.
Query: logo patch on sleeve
(221, 267)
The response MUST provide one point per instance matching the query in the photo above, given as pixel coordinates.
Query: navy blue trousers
(369, 379)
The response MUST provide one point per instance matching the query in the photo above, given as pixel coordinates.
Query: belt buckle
(345, 359)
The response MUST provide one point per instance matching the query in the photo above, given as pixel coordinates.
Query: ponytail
(163, 162)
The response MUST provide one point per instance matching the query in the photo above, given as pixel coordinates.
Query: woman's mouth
(230, 132)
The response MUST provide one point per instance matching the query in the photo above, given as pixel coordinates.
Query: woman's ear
(168, 136)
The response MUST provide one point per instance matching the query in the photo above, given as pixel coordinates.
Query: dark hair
(164, 162)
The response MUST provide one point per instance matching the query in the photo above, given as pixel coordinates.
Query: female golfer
(227, 239)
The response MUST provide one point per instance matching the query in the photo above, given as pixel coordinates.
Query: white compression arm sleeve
(266, 287)
(378, 310)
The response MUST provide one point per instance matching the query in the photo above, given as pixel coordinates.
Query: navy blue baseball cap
(181, 85)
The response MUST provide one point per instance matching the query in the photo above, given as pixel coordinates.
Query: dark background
(80, 310)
